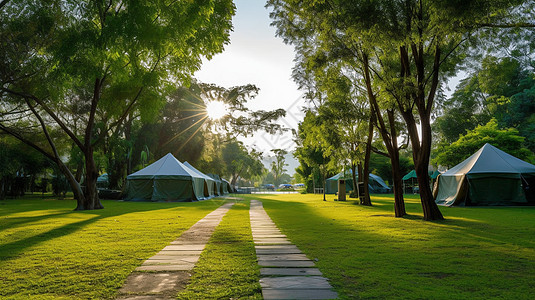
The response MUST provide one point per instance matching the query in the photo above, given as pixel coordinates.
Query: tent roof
(167, 166)
(411, 174)
(435, 174)
(201, 174)
(343, 175)
(214, 177)
(490, 159)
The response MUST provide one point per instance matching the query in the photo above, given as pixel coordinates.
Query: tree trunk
(366, 199)
(389, 139)
(355, 181)
(75, 185)
(91, 174)
(397, 179)
(421, 149)
(399, 202)
(360, 178)
(421, 163)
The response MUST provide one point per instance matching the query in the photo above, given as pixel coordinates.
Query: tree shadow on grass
(399, 247)
(13, 249)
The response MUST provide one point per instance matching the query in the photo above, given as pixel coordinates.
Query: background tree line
(92, 84)
(383, 65)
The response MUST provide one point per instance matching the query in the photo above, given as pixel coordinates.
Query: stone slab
(255, 232)
(179, 252)
(277, 247)
(190, 258)
(273, 242)
(145, 297)
(172, 260)
(163, 268)
(151, 282)
(268, 236)
(286, 263)
(290, 272)
(282, 257)
(278, 251)
(295, 282)
(196, 242)
(270, 294)
(184, 247)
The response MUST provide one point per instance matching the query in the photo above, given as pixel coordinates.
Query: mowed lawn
(476, 253)
(49, 251)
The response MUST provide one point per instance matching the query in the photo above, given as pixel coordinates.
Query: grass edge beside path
(227, 268)
(366, 253)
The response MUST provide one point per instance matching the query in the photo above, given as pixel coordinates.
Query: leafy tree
(82, 67)
(502, 88)
(311, 152)
(240, 162)
(404, 48)
(20, 166)
(507, 140)
(465, 110)
(277, 166)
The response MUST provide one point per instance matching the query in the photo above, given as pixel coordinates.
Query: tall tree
(110, 57)
(241, 162)
(408, 45)
(277, 166)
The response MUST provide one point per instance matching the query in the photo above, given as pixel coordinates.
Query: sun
(216, 109)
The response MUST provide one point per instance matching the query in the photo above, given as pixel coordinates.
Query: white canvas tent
(209, 182)
(165, 180)
(488, 177)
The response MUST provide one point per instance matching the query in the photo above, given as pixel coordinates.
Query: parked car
(285, 186)
(269, 186)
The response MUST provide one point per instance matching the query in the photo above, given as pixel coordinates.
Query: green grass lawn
(476, 253)
(48, 251)
(227, 268)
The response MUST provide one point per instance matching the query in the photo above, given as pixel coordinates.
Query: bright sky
(256, 56)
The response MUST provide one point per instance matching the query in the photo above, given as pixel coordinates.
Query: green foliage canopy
(507, 140)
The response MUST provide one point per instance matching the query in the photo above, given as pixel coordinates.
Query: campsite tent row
(488, 177)
(170, 180)
(376, 184)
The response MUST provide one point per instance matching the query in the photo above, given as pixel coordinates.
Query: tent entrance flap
(450, 189)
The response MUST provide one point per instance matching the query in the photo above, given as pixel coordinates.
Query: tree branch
(51, 113)
(45, 131)
(26, 141)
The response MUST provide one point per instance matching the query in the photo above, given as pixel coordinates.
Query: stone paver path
(286, 272)
(164, 274)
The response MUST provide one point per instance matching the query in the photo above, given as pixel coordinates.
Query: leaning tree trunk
(91, 174)
(366, 179)
(399, 202)
(421, 163)
(75, 185)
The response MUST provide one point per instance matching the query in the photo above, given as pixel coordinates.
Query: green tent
(226, 186)
(165, 180)
(410, 175)
(217, 180)
(488, 177)
(209, 182)
(376, 184)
